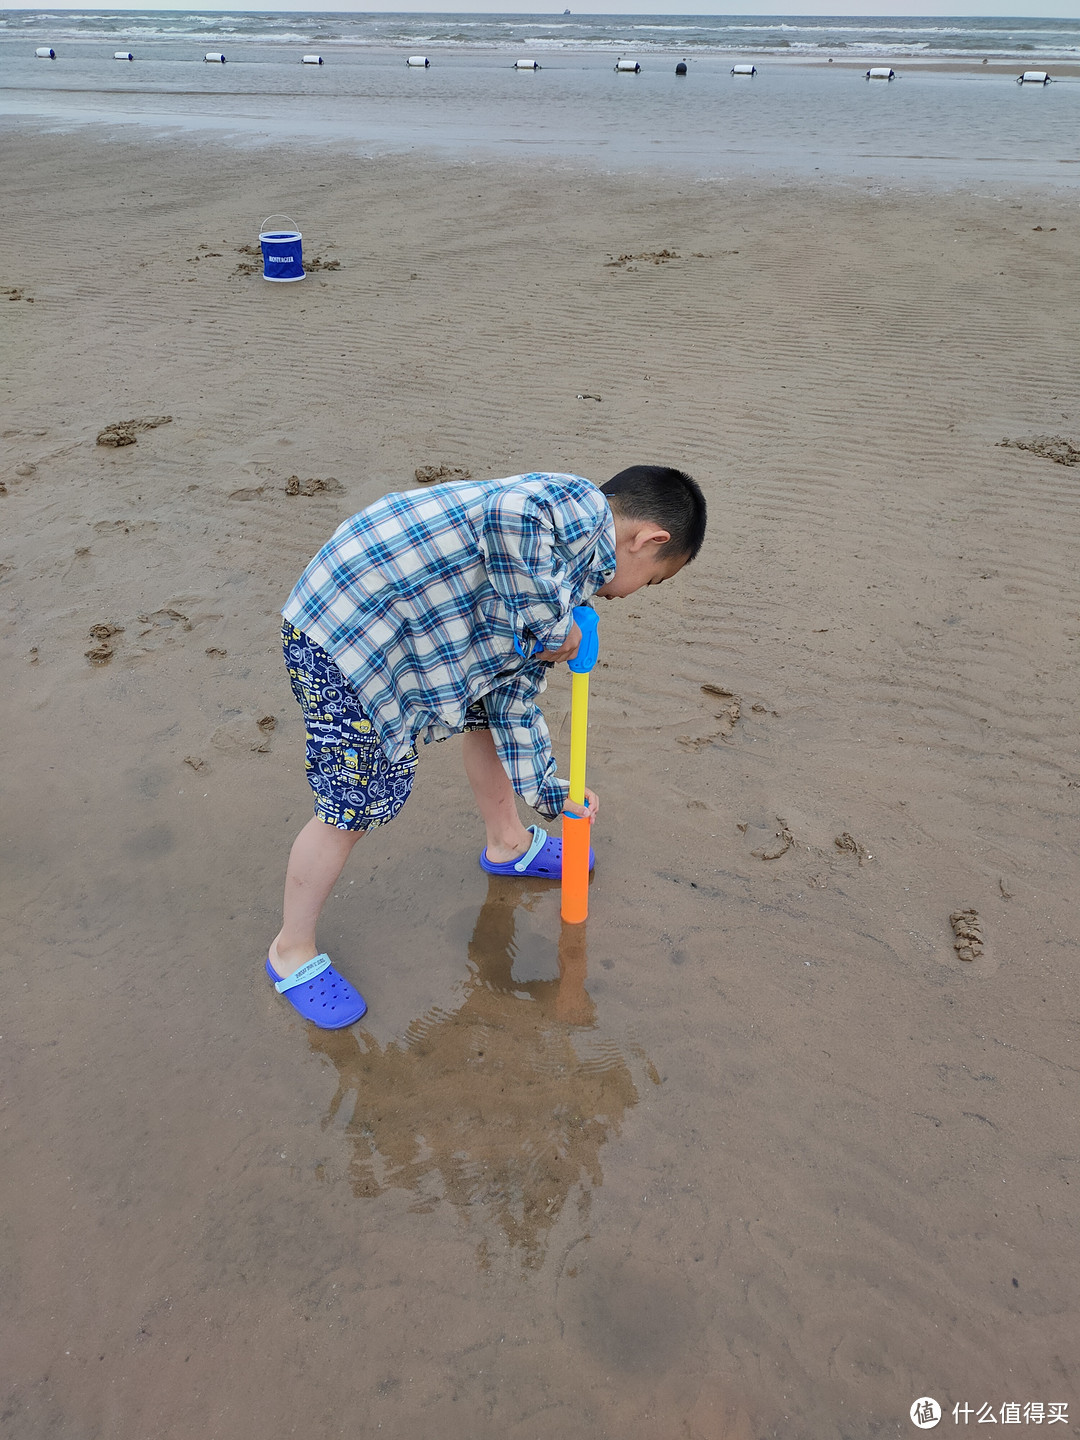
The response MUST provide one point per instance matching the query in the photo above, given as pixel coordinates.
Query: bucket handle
(292, 222)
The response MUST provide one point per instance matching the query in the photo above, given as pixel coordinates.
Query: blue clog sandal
(320, 994)
(542, 860)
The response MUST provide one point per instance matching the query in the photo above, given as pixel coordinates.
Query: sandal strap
(304, 974)
(539, 840)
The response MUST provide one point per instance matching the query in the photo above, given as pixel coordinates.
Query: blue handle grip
(586, 620)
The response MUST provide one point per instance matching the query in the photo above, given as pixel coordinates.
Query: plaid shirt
(420, 598)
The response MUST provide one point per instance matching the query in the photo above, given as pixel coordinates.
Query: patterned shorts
(356, 787)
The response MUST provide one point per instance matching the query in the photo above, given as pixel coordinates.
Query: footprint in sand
(168, 627)
(778, 844)
(163, 619)
(23, 471)
(848, 845)
(241, 735)
(252, 264)
(105, 647)
(727, 713)
(295, 486)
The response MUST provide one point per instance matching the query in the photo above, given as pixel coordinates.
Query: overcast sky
(1051, 9)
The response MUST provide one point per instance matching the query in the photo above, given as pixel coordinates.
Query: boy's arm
(527, 541)
(523, 744)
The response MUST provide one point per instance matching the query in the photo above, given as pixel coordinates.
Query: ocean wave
(946, 38)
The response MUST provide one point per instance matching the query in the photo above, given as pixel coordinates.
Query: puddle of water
(502, 1106)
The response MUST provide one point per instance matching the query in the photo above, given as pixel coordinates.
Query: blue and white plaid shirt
(420, 598)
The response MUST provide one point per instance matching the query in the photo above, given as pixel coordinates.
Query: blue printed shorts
(356, 786)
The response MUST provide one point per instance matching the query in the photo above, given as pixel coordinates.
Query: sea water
(947, 118)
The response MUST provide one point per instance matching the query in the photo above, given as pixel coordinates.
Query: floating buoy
(418, 62)
(1029, 77)
(214, 57)
(880, 72)
(311, 60)
(680, 68)
(526, 64)
(744, 70)
(282, 251)
(123, 55)
(44, 52)
(627, 67)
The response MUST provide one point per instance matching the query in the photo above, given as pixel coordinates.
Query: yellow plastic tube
(575, 858)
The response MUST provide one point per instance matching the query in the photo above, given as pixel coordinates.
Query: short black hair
(666, 497)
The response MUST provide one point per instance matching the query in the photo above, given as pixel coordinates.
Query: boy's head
(659, 526)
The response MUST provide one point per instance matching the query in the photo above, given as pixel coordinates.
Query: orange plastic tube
(575, 869)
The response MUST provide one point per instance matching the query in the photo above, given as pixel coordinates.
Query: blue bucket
(282, 251)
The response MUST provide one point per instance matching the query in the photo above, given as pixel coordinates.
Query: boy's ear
(647, 532)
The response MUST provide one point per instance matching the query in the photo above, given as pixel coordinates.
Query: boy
(433, 613)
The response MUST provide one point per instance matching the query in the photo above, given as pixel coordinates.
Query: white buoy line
(622, 66)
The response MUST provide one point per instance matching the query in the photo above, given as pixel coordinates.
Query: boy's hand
(566, 651)
(591, 810)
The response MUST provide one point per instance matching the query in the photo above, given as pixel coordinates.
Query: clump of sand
(125, 432)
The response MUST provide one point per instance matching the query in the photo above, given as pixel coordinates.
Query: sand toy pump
(575, 832)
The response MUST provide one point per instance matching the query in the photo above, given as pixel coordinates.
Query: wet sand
(755, 1154)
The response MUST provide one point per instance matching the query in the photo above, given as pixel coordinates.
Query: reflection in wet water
(500, 1107)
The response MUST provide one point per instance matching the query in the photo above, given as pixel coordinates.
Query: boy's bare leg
(316, 860)
(507, 837)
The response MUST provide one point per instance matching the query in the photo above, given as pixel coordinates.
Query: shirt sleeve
(528, 542)
(523, 744)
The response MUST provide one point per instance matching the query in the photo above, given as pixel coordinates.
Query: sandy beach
(756, 1153)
